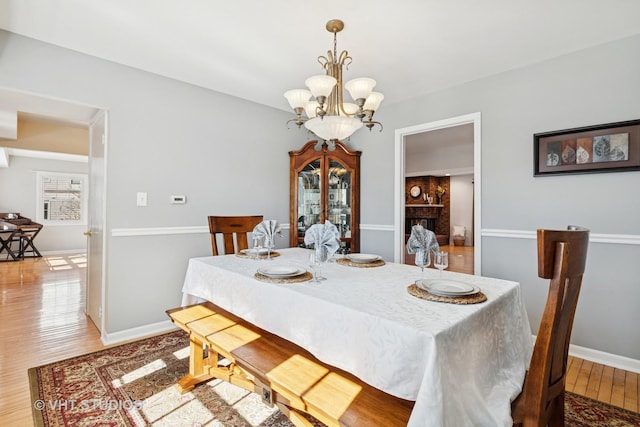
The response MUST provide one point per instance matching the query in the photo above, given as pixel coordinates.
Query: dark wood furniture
(232, 228)
(436, 216)
(20, 230)
(325, 185)
(281, 372)
(561, 258)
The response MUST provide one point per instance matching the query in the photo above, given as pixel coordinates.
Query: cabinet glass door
(309, 196)
(339, 203)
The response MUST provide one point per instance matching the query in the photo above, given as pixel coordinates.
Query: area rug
(134, 385)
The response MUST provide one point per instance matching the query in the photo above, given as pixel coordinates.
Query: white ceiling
(258, 49)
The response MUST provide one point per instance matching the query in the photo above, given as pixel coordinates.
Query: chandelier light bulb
(373, 101)
(297, 98)
(320, 85)
(311, 109)
(360, 88)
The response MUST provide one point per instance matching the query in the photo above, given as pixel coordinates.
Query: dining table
(462, 364)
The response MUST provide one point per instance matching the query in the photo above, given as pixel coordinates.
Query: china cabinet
(325, 185)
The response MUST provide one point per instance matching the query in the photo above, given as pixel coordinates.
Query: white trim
(613, 360)
(138, 332)
(399, 179)
(49, 155)
(158, 231)
(624, 239)
(377, 227)
(4, 158)
(621, 239)
(165, 231)
(603, 358)
(511, 234)
(64, 252)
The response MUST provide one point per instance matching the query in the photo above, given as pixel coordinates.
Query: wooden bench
(281, 372)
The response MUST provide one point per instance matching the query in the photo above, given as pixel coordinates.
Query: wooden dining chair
(234, 231)
(562, 257)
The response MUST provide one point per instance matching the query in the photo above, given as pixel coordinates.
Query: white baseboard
(64, 252)
(603, 358)
(138, 332)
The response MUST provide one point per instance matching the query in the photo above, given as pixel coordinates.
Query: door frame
(399, 178)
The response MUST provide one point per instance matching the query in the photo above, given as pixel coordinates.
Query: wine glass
(441, 261)
(422, 260)
(257, 245)
(269, 244)
(314, 263)
(322, 256)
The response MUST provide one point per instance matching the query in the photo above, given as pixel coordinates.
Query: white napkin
(267, 231)
(422, 241)
(324, 237)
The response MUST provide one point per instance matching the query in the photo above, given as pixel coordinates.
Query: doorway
(66, 114)
(402, 137)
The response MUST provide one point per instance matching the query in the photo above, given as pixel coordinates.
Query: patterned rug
(133, 385)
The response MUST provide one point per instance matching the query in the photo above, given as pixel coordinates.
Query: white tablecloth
(462, 364)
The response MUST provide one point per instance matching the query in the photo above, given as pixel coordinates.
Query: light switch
(141, 199)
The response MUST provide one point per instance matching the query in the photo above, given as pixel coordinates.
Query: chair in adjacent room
(234, 231)
(26, 236)
(562, 257)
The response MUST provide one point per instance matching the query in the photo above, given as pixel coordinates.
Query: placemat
(421, 293)
(295, 279)
(346, 261)
(261, 256)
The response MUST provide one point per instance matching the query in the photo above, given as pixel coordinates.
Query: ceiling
(258, 49)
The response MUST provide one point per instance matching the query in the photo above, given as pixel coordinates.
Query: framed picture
(612, 147)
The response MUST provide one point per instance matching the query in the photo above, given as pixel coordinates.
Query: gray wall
(594, 86)
(230, 156)
(18, 194)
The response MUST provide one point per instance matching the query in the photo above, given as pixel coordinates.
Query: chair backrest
(562, 257)
(230, 227)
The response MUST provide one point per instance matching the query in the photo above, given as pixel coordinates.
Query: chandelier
(327, 115)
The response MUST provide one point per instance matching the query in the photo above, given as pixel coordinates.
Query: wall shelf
(415, 205)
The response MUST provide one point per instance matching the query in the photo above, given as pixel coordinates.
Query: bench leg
(198, 371)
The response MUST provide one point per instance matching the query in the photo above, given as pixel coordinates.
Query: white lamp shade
(333, 127)
(350, 108)
(373, 101)
(297, 97)
(320, 85)
(311, 108)
(360, 88)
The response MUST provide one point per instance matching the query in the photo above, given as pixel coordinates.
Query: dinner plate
(281, 272)
(447, 288)
(260, 251)
(363, 258)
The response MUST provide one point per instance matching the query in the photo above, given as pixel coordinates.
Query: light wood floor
(42, 320)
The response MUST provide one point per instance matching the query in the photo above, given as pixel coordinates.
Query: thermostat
(178, 200)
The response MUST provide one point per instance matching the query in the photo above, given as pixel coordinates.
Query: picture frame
(611, 147)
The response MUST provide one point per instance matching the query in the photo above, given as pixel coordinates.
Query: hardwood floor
(42, 320)
(460, 258)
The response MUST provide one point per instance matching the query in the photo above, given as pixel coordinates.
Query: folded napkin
(267, 231)
(422, 241)
(325, 238)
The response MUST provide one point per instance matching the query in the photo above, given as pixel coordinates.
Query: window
(61, 198)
